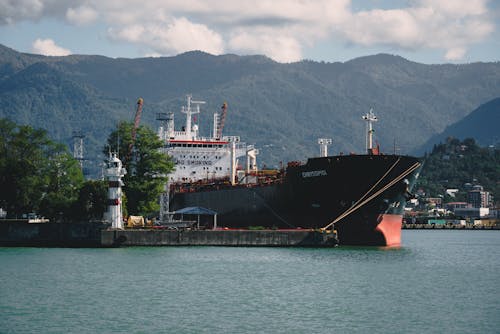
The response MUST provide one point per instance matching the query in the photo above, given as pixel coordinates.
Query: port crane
(137, 120)
(222, 120)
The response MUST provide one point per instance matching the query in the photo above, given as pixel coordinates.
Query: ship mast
(189, 112)
(369, 118)
(323, 146)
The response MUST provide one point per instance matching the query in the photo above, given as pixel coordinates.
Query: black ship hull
(362, 197)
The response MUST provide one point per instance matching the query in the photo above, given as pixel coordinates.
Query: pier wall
(449, 227)
(20, 232)
(268, 238)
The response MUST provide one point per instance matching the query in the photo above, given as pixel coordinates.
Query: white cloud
(279, 47)
(457, 8)
(178, 35)
(152, 55)
(449, 25)
(48, 47)
(382, 27)
(281, 29)
(81, 15)
(132, 33)
(455, 54)
(12, 11)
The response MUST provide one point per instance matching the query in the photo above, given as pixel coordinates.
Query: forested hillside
(282, 108)
(454, 163)
(482, 124)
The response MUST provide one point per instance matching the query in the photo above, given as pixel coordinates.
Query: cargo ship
(360, 197)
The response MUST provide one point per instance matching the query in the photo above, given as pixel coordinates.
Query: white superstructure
(204, 158)
(199, 158)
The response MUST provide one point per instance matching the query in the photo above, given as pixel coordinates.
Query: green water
(438, 282)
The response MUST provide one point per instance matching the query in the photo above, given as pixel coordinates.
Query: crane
(137, 120)
(222, 119)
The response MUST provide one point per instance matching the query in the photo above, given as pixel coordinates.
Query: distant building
(435, 201)
(451, 206)
(451, 192)
(472, 212)
(412, 203)
(478, 198)
(468, 186)
(495, 213)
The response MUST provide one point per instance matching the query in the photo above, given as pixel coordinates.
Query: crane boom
(222, 119)
(137, 120)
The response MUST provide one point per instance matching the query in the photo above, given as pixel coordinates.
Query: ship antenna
(369, 118)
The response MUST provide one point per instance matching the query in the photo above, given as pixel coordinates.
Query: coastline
(449, 227)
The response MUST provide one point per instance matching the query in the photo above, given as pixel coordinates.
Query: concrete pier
(242, 238)
(29, 233)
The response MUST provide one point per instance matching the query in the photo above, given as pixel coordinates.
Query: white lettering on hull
(314, 173)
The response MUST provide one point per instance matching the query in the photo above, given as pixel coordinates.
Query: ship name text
(194, 162)
(314, 173)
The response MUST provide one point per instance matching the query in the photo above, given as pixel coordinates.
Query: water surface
(438, 282)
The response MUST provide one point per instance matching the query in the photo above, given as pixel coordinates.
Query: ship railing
(182, 135)
(210, 139)
(263, 179)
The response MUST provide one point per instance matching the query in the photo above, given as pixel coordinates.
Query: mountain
(482, 124)
(282, 108)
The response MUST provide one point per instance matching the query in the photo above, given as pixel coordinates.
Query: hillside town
(478, 210)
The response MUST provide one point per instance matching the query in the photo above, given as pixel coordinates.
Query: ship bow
(390, 227)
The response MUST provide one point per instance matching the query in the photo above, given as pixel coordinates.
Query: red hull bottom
(390, 227)
(376, 230)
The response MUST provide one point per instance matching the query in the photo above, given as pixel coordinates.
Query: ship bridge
(203, 158)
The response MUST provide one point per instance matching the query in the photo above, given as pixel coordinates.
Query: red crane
(137, 120)
(222, 119)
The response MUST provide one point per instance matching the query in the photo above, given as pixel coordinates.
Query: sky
(425, 31)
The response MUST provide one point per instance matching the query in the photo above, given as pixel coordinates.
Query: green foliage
(92, 200)
(147, 167)
(455, 163)
(36, 174)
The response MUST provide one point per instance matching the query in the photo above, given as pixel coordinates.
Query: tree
(36, 174)
(92, 200)
(147, 167)
(63, 182)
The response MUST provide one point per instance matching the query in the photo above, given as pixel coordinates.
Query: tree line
(38, 175)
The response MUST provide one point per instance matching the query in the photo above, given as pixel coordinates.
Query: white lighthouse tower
(114, 174)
